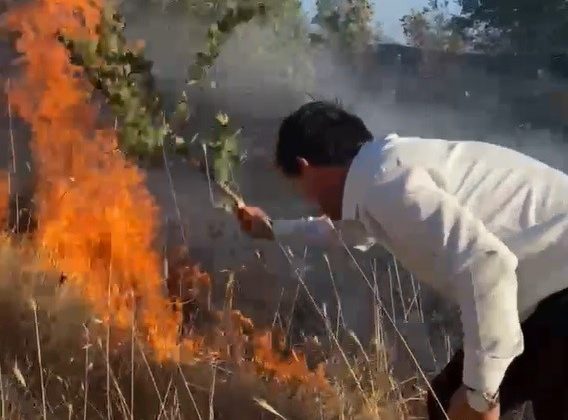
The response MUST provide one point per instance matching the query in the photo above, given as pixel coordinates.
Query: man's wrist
(484, 372)
(481, 401)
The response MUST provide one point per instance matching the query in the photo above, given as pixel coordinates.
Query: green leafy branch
(350, 22)
(218, 33)
(124, 76)
(223, 148)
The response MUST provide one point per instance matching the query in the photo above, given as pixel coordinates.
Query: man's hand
(255, 222)
(460, 409)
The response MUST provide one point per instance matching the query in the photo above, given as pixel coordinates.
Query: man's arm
(315, 231)
(308, 231)
(312, 231)
(415, 212)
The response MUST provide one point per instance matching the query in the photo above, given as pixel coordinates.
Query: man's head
(316, 145)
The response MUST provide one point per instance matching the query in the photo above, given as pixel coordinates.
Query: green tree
(357, 25)
(349, 22)
(527, 25)
(416, 28)
(432, 29)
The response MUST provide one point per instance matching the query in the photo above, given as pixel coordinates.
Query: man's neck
(332, 185)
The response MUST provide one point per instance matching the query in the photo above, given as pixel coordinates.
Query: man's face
(322, 186)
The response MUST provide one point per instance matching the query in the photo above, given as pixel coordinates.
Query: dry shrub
(77, 382)
(74, 361)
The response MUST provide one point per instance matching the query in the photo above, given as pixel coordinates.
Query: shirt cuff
(314, 231)
(484, 373)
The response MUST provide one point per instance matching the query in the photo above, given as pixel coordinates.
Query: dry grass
(58, 361)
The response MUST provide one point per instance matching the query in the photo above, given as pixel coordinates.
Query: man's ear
(303, 164)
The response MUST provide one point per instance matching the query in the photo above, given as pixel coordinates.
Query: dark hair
(322, 133)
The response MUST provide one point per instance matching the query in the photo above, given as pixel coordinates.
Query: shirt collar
(356, 181)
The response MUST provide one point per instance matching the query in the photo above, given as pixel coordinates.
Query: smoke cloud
(259, 79)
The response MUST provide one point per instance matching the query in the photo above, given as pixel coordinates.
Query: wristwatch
(481, 402)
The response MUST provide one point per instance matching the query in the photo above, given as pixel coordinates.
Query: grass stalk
(39, 359)
(2, 396)
(87, 369)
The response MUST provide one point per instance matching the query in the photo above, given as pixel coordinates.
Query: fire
(287, 368)
(229, 335)
(97, 221)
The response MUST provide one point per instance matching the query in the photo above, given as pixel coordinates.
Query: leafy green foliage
(235, 14)
(218, 33)
(357, 24)
(224, 151)
(528, 25)
(223, 147)
(431, 29)
(416, 28)
(348, 21)
(124, 77)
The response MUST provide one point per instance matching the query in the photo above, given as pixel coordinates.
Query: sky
(387, 12)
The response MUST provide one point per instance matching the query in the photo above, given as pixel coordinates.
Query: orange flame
(230, 335)
(97, 221)
(293, 367)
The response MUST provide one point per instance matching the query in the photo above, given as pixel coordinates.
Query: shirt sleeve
(458, 249)
(322, 232)
(313, 231)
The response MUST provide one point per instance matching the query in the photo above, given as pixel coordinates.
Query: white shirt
(484, 225)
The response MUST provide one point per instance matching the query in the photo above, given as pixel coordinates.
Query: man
(484, 225)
